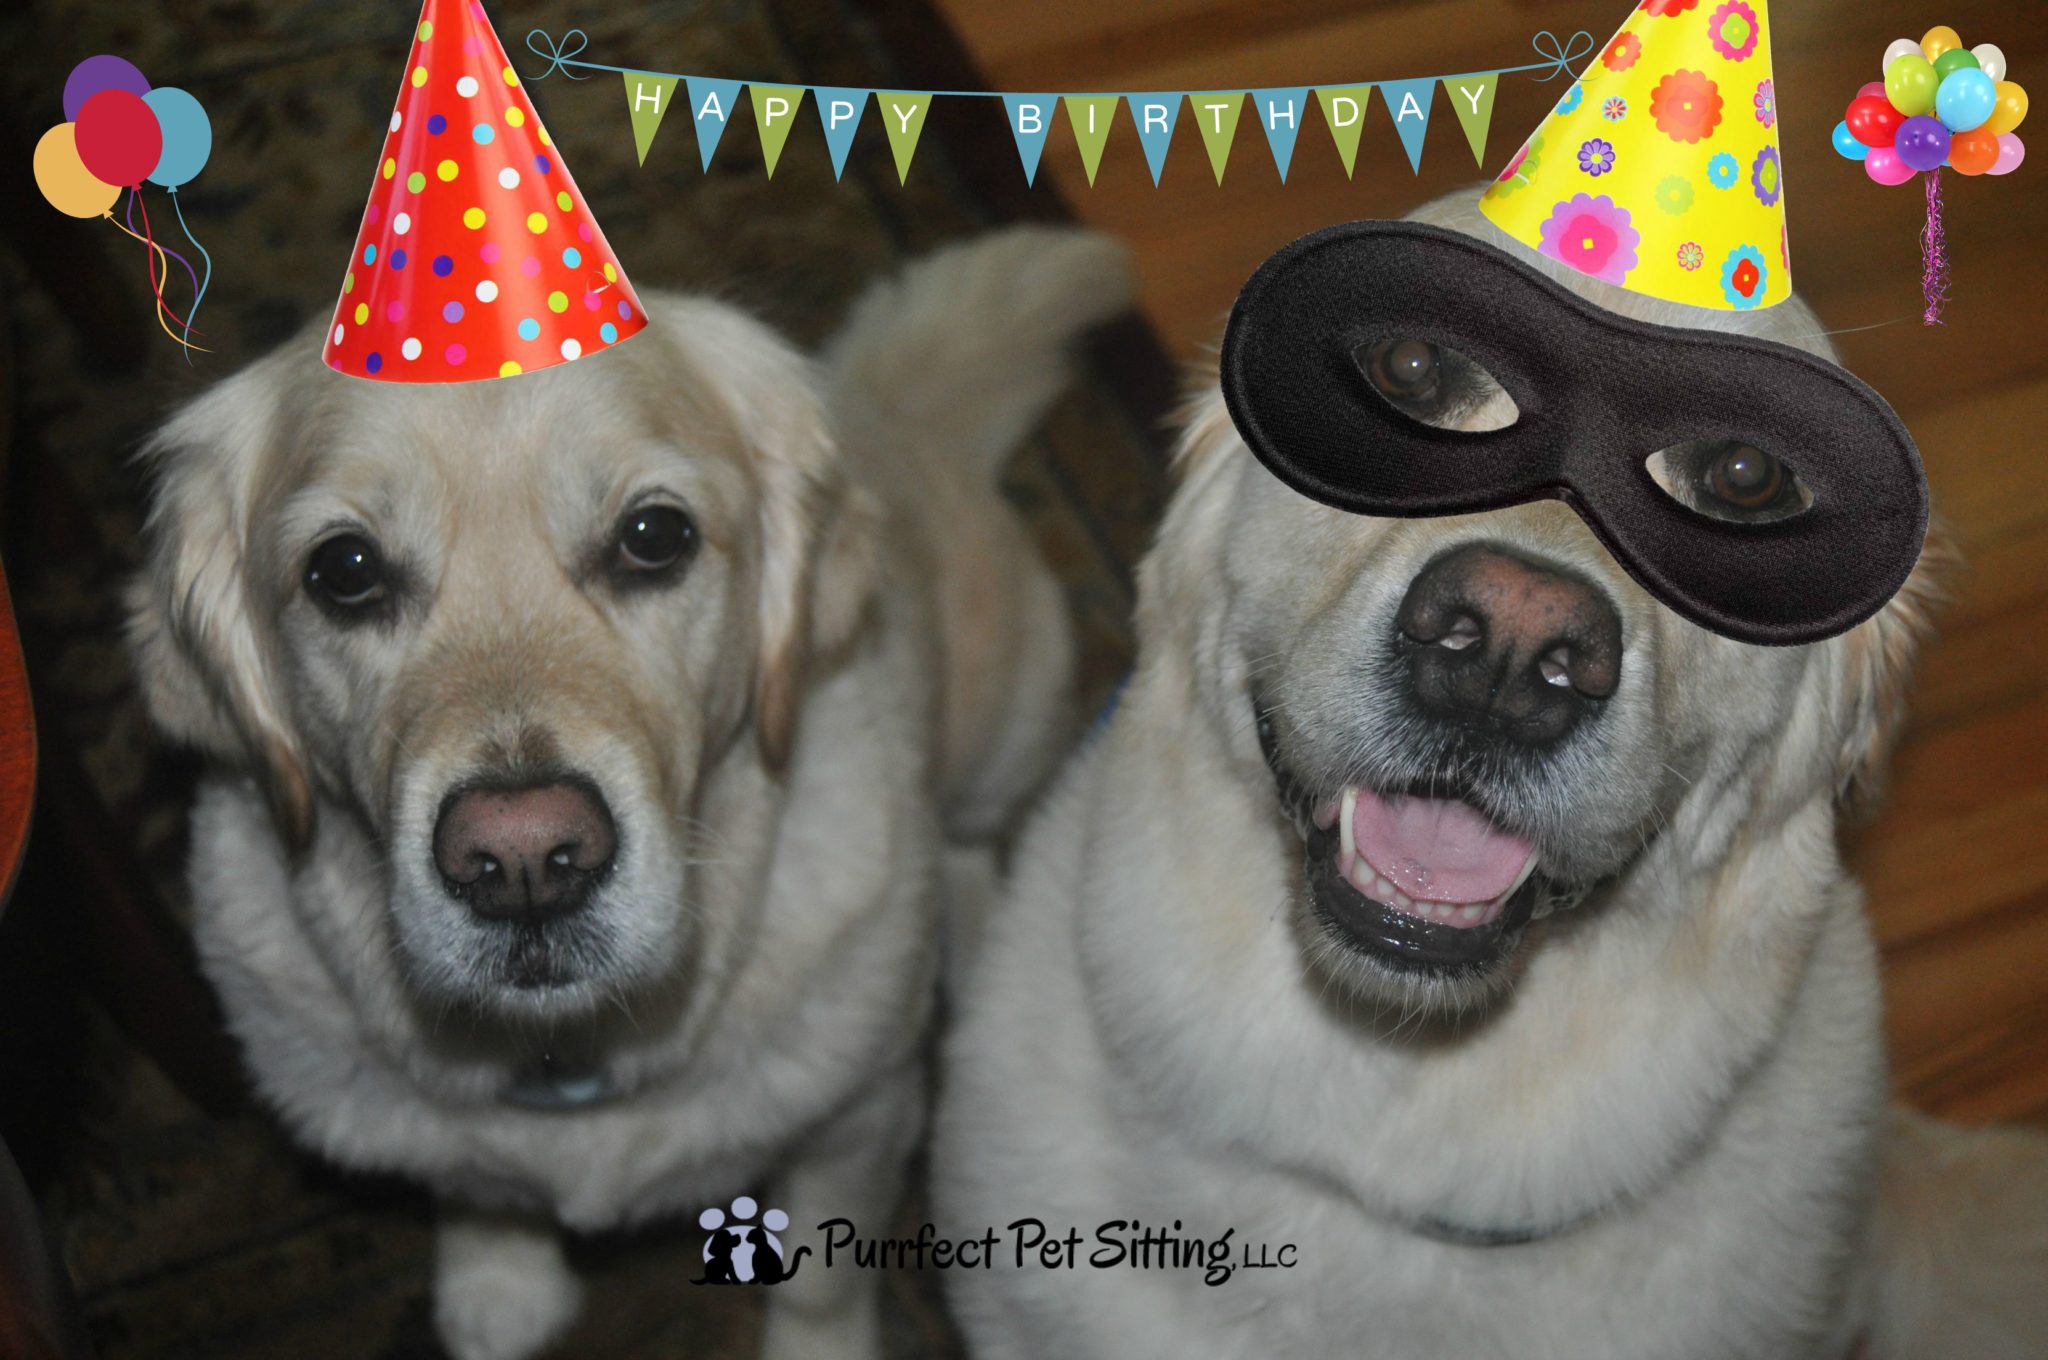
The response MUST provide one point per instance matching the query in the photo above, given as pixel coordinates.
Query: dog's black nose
(1497, 641)
(525, 854)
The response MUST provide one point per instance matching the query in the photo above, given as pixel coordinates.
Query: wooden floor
(1957, 862)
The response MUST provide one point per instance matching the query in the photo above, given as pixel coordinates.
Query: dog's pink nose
(526, 854)
(1497, 641)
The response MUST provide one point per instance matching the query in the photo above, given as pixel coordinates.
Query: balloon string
(162, 306)
(1933, 253)
(176, 207)
(161, 309)
(162, 251)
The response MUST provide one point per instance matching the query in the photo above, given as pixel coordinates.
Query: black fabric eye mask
(1329, 325)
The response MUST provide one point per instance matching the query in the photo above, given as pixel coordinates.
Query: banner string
(1559, 58)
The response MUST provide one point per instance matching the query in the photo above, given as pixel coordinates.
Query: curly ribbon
(163, 252)
(559, 56)
(200, 293)
(1560, 56)
(1933, 253)
(156, 286)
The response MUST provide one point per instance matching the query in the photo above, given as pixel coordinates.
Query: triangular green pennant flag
(1216, 116)
(1344, 111)
(1091, 115)
(903, 114)
(774, 114)
(647, 104)
(1472, 97)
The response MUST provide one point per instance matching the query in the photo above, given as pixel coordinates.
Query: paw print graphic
(737, 1250)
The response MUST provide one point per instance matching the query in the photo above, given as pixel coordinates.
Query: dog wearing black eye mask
(1450, 909)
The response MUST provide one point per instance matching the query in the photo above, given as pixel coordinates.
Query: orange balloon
(1939, 39)
(63, 178)
(2011, 110)
(1973, 152)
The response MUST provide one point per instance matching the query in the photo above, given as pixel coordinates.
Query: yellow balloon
(2011, 108)
(1938, 40)
(64, 180)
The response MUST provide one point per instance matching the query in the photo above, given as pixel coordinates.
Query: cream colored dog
(1626, 1102)
(586, 743)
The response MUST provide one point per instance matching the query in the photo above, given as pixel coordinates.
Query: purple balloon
(1922, 142)
(2011, 151)
(104, 72)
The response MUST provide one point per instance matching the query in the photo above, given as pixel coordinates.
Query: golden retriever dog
(1642, 1115)
(586, 746)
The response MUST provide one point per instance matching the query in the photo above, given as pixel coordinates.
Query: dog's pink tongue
(1437, 849)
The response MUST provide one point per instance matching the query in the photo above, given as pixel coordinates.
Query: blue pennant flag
(1279, 112)
(1030, 118)
(1155, 115)
(1408, 103)
(711, 105)
(839, 109)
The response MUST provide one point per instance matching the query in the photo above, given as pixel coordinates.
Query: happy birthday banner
(1280, 111)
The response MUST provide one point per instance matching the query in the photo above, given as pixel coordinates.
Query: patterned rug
(198, 1236)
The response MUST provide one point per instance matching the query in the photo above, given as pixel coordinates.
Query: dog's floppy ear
(817, 560)
(204, 657)
(1877, 667)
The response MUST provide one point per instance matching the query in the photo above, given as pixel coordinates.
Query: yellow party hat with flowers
(1659, 169)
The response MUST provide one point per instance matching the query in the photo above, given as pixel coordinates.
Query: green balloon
(1955, 59)
(1910, 83)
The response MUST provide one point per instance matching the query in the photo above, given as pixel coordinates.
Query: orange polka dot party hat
(477, 257)
(1659, 170)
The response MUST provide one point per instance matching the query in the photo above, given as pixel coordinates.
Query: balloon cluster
(1939, 104)
(119, 132)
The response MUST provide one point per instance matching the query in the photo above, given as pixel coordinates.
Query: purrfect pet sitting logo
(741, 1252)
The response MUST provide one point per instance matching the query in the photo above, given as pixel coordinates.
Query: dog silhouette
(718, 1252)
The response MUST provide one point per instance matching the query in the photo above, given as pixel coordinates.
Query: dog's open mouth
(1419, 878)
(1423, 882)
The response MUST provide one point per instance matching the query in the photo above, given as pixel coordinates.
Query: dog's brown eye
(1745, 477)
(1404, 370)
(1729, 480)
(655, 537)
(346, 573)
(1438, 387)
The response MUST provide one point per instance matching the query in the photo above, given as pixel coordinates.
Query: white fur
(1682, 1093)
(780, 735)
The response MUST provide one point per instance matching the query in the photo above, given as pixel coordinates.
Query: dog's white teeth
(1347, 834)
(1470, 915)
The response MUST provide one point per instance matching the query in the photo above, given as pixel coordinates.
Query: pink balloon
(1884, 166)
(1874, 87)
(2011, 151)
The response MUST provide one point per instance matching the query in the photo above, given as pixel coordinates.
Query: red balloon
(1872, 121)
(119, 139)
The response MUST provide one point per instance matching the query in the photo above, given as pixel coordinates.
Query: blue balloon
(188, 135)
(1846, 143)
(1966, 100)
